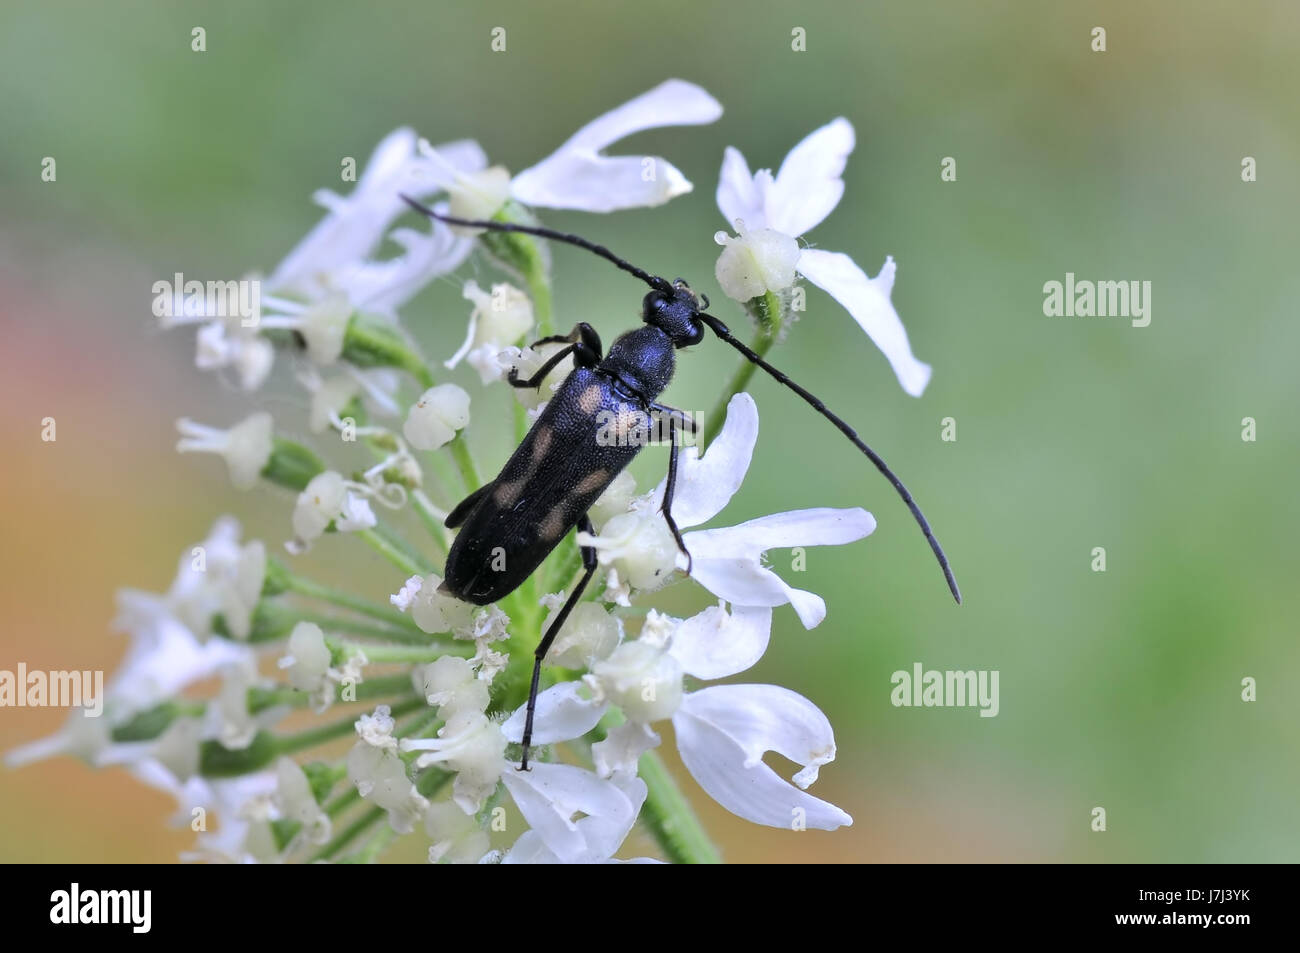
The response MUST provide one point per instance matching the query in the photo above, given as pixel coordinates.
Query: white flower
(579, 176)
(722, 734)
(431, 609)
(434, 419)
(589, 635)
(229, 720)
(307, 663)
(726, 561)
(355, 225)
(216, 575)
(242, 808)
(456, 837)
(164, 656)
(293, 796)
(550, 796)
(499, 319)
(471, 745)
(224, 344)
(380, 777)
(451, 685)
(722, 731)
(327, 499)
(246, 447)
(771, 212)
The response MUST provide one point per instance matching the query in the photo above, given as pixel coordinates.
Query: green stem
(289, 744)
(394, 539)
(390, 552)
(671, 818)
(407, 653)
(762, 343)
(431, 522)
(408, 634)
(383, 613)
(464, 462)
(539, 289)
(260, 699)
(344, 801)
(349, 833)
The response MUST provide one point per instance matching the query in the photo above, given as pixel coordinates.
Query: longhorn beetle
(561, 468)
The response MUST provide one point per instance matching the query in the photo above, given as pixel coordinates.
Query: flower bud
(754, 263)
(434, 419)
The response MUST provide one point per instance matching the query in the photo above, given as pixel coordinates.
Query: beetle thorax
(644, 359)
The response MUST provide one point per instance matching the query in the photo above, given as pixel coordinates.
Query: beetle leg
(674, 413)
(669, 488)
(584, 345)
(589, 563)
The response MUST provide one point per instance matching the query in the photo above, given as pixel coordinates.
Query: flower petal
(603, 834)
(622, 748)
(867, 299)
(593, 183)
(742, 195)
(674, 102)
(808, 185)
(549, 795)
(355, 224)
(576, 176)
(715, 643)
(726, 560)
(722, 735)
(819, 526)
(743, 581)
(706, 484)
(384, 286)
(562, 714)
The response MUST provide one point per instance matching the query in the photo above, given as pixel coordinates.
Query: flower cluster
(431, 690)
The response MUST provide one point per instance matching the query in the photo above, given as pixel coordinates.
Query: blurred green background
(1118, 689)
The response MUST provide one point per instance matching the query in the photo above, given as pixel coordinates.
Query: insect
(509, 526)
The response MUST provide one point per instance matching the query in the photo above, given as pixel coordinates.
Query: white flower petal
(706, 484)
(674, 102)
(715, 643)
(722, 734)
(819, 526)
(867, 299)
(622, 748)
(576, 176)
(603, 834)
(743, 581)
(808, 185)
(726, 560)
(592, 183)
(549, 795)
(741, 195)
(562, 714)
(355, 224)
(384, 286)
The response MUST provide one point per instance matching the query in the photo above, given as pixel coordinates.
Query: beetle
(508, 526)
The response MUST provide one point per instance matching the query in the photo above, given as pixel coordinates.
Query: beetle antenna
(652, 280)
(725, 334)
